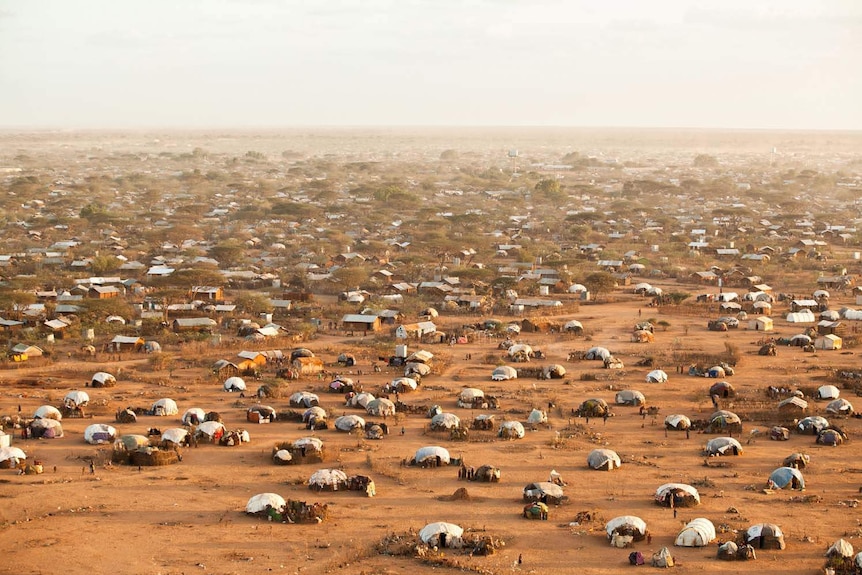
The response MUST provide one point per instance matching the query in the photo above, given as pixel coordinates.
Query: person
(605, 418)
(402, 430)
(92, 468)
(520, 558)
(640, 311)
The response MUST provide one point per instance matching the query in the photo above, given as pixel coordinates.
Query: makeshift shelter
(128, 443)
(553, 371)
(152, 347)
(511, 430)
(841, 548)
(431, 456)
(126, 415)
(175, 436)
(724, 421)
(676, 495)
(361, 399)
(403, 384)
(603, 459)
(413, 369)
(259, 504)
(445, 421)
(642, 336)
(677, 422)
(349, 423)
(342, 384)
(786, 477)
(328, 480)
(544, 492)
(797, 460)
(594, 407)
(535, 510)
(764, 536)
(723, 446)
(812, 424)
(304, 399)
(48, 412)
(662, 559)
(380, 407)
(630, 397)
(520, 352)
(45, 429)
(716, 371)
(471, 397)
(656, 376)
(574, 326)
(800, 340)
(193, 416)
(792, 404)
(503, 373)
(612, 362)
(307, 365)
(722, 389)
(597, 353)
(827, 392)
(830, 341)
(99, 433)
(211, 431)
(537, 416)
(165, 406)
(761, 323)
(625, 529)
(839, 407)
(314, 414)
(103, 379)
(234, 384)
(486, 473)
(11, 457)
(76, 399)
(483, 421)
(441, 535)
(259, 413)
(830, 437)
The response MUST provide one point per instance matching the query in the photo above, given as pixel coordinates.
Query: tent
(193, 416)
(152, 347)
(511, 430)
(48, 412)
(827, 392)
(793, 404)
(788, 477)
(361, 400)
(629, 397)
(380, 407)
(260, 502)
(445, 421)
(642, 336)
(841, 548)
(723, 446)
(404, 384)
(830, 437)
(328, 480)
(416, 368)
(537, 416)
(812, 424)
(165, 406)
(45, 429)
(131, 442)
(75, 399)
(677, 422)
(830, 341)
(544, 492)
(765, 536)
(440, 534)
(723, 420)
(553, 371)
(349, 423)
(521, 351)
(662, 559)
(315, 412)
(599, 353)
(804, 316)
(858, 560)
(99, 433)
(626, 526)
(304, 399)
(797, 460)
(175, 435)
(603, 459)
(11, 456)
(573, 326)
(234, 384)
(677, 495)
(779, 433)
(840, 407)
(800, 340)
(210, 430)
(434, 453)
(103, 379)
(503, 373)
(722, 389)
(656, 376)
(594, 407)
(470, 397)
(259, 413)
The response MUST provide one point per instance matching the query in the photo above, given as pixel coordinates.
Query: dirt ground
(189, 518)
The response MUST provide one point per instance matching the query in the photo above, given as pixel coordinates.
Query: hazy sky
(276, 63)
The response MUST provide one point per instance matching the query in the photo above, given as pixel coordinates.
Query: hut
(103, 379)
(511, 430)
(830, 437)
(431, 456)
(487, 474)
(193, 416)
(724, 421)
(164, 407)
(722, 389)
(48, 412)
(441, 535)
(603, 459)
(797, 460)
(234, 383)
(209, 431)
(839, 406)
(630, 397)
(622, 530)
(45, 429)
(380, 407)
(99, 433)
(349, 423)
(483, 422)
(786, 477)
(327, 480)
(594, 407)
(304, 399)
(676, 495)
(259, 413)
(261, 503)
(307, 365)
(656, 376)
(764, 536)
(544, 492)
(827, 392)
(813, 424)
(445, 422)
(677, 422)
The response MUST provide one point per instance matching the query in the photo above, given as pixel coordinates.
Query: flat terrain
(189, 517)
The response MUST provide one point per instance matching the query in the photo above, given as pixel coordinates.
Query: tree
(549, 189)
(599, 283)
(253, 303)
(350, 277)
(104, 264)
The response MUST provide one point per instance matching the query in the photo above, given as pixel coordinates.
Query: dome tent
(380, 407)
(98, 433)
(723, 446)
(45, 429)
(440, 534)
(630, 397)
(697, 533)
(431, 454)
(349, 423)
(511, 430)
(165, 406)
(788, 477)
(724, 420)
(765, 536)
(603, 459)
(839, 407)
(841, 548)
(503, 373)
(103, 379)
(626, 526)
(361, 400)
(193, 416)
(828, 392)
(76, 398)
(812, 424)
(260, 502)
(234, 384)
(445, 421)
(537, 416)
(328, 480)
(656, 376)
(677, 422)
(544, 492)
(11, 457)
(677, 495)
(48, 412)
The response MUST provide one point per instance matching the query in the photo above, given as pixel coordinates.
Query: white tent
(317, 412)
(573, 325)
(258, 503)
(234, 384)
(606, 459)
(102, 379)
(76, 399)
(520, 348)
(433, 533)
(48, 412)
(656, 376)
(512, 430)
(193, 416)
(677, 421)
(175, 435)
(828, 392)
(304, 399)
(211, 428)
(380, 407)
(361, 400)
(537, 416)
(804, 316)
(445, 421)
(669, 489)
(165, 406)
(723, 446)
(828, 341)
(626, 523)
(349, 423)
(504, 372)
(312, 443)
(839, 407)
(415, 367)
(323, 478)
(13, 455)
(841, 548)
(406, 383)
(98, 433)
(432, 452)
(697, 533)
(629, 397)
(468, 394)
(601, 353)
